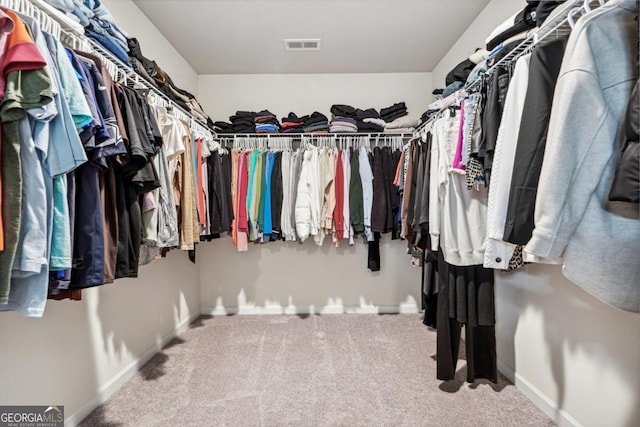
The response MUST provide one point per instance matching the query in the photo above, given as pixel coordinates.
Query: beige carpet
(334, 370)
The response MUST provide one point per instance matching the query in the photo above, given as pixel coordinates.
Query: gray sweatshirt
(600, 245)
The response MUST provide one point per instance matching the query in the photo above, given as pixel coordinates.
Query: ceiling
(358, 36)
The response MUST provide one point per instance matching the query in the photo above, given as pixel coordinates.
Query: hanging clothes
(573, 220)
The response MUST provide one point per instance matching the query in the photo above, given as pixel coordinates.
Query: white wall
(289, 278)
(79, 352)
(576, 357)
(223, 94)
(493, 14)
(279, 277)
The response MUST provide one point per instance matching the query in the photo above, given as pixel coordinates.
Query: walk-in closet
(319, 213)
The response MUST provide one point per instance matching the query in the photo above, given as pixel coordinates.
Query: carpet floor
(334, 370)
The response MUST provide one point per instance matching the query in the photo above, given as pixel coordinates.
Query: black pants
(480, 340)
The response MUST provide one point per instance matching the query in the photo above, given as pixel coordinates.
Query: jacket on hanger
(599, 242)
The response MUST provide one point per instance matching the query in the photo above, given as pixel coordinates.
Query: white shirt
(498, 253)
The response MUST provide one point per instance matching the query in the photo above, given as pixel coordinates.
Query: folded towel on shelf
(403, 122)
(342, 129)
(400, 130)
(378, 122)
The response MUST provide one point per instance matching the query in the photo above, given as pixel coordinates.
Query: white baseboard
(310, 309)
(114, 384)
(538, 398)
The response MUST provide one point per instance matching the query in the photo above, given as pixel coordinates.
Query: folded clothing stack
(223, 127)
(403, 124)
(292, 124)
(341, 124)
(266, 122)
(243, 122)
(316, 123)
(364, 122)
(517, 24)
(389, 114)
(98, 23)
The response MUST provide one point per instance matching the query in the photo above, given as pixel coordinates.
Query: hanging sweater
(366, 177)
(599, 243)
(307, 210)
(457, 216)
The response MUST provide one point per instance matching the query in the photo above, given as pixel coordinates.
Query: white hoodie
(307, 211)
(457, 216)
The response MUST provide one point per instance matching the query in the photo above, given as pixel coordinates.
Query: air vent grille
(302, 44)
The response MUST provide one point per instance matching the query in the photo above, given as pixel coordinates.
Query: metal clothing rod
(130, 76)
(286, 141)
(312, 135)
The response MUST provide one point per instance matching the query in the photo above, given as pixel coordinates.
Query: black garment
(136, 136)
(356, 203)
(239, 115)
(379, 206)
(222, 126)
(369, 127)
(417, 183)
(133, 178)
(292, 118)
(422, 213)
(373, 256)
(166, 90)
(429, 280)
(460, 72)
(496, 92)
(416, 152)
(243, 122)
(215, 194)
(315, 118)
(146, 178)
(369, 113)
(129, 225)
(544, 9)
(480, 339)
(140, 70)
(626, 183)
(276, 194)
(227, 200)
(525, 19)
(399, 106)
(393, 193)
(265, 113)
(544, 69)
(88, 245)
(343, 110)
(394, 115)
(136, 52)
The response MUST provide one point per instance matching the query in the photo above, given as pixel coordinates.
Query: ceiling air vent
(302, 44)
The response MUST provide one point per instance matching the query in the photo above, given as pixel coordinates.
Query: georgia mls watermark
(32, 416)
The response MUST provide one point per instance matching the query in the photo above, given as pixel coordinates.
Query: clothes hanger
(571, 14)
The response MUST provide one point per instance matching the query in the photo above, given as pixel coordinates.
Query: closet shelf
(314, 135)
(67, 31)
(556, 25)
